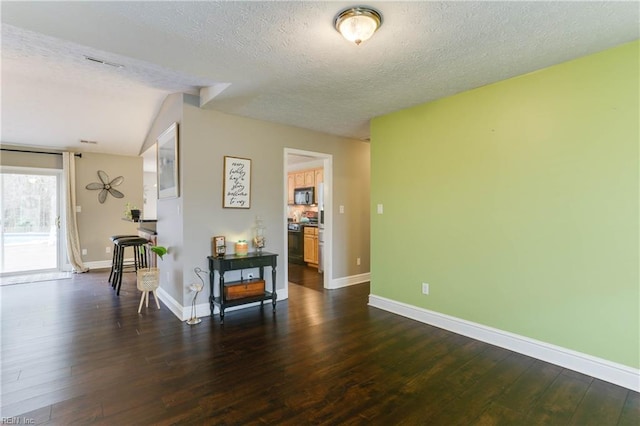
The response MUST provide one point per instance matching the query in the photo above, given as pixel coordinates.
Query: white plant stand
(148, 280)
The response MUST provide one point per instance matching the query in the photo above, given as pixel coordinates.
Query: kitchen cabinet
(311, 245)
(309, 178)
(304, 179)
(291, 185)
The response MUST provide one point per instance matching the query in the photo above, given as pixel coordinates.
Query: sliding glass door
(30, 216)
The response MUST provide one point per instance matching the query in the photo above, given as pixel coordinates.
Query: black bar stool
(113, 239)
(139, 245)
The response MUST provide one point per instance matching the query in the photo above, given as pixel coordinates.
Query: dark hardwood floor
(305, 276)
(75, 353)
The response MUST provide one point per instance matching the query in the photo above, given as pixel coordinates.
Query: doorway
(31, 220)
(314, 273)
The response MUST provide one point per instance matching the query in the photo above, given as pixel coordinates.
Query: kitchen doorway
(307, 218)
(31, 220)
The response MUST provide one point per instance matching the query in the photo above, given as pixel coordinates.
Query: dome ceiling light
(357, 24)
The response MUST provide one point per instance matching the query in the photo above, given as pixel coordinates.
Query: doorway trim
(327, 164)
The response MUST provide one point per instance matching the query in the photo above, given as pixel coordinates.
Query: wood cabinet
(309, 178)
(291, 185)
(303, 179)
(311, 245)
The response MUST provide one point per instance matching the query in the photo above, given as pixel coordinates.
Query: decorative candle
(242, 248)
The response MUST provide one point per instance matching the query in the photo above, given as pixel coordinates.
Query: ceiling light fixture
(357, 24)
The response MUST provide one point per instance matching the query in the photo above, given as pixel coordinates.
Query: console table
(231, 262)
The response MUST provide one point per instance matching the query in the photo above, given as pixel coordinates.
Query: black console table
(231, 262)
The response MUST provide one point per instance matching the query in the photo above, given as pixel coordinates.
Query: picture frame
(219, 246)
(167, 163)
(236, 183)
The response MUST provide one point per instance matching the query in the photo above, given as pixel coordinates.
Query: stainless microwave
(303, 196)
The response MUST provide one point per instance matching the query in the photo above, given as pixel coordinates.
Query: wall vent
(103, 62)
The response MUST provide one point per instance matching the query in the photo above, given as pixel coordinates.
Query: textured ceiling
(282, 61)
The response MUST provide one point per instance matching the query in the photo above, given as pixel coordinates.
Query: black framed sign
(236, 189)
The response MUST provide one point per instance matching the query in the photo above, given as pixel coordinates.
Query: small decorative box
(242, 247)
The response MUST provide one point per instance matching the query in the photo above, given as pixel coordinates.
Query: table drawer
(241, 289)
(247, 263)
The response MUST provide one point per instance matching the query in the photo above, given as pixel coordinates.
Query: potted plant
(131, 212)
(148, 279)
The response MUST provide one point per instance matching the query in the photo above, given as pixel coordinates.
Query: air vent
(103, 62)
(89, 142)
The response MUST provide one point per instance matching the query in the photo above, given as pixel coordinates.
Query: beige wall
(187, 224)
(97, 222)
(20, 159)
(168, 210)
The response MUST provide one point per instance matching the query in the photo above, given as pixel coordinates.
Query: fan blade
(116, 193)
(103, 177)
(102, 196)
(117, 181)
(95, 185)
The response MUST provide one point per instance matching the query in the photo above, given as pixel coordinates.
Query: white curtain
(73, 239)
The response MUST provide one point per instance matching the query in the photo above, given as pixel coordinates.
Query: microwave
(303, 196)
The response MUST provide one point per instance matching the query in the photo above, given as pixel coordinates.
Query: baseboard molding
(350, 280)
(103, 264)
(175, 307)
(100, 264)
(183, 313)
(612, 372)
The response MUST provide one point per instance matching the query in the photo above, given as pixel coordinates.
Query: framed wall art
(167, 158)
(218, 246)
(236, 183)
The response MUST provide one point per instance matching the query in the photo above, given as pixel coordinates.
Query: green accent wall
(518, 203)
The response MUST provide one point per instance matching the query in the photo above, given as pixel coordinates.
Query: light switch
(380, 209)
(341, 209)
(78, 209)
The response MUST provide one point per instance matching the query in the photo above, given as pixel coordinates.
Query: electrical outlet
(341, 208)
(358, 261)
(107, 249)
(425, 288)
(84, 252)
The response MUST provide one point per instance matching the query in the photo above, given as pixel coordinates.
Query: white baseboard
(603, 369)
(202, 309)
(103, 264)
(173, 305)
(100, 264)
(350, 280)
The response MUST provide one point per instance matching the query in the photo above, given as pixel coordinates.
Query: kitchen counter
(145, 225)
